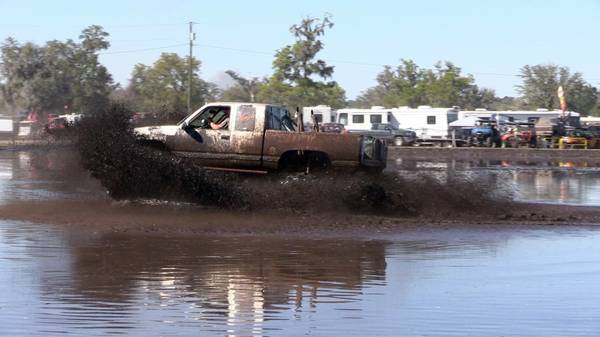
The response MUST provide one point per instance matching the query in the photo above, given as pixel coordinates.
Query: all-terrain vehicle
(573, 139)
(519, 135)
(485, 134)
(551, 132)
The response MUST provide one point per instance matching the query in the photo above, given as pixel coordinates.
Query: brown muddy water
(69, 280)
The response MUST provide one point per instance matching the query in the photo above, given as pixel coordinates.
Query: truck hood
(156, 132)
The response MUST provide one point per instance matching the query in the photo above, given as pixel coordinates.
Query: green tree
(162, 87)
(410, 85)
(541, 82)
(299, 78)
(56, 75)
(244, 89)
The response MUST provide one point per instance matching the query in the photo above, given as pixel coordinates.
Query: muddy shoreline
(104, 216)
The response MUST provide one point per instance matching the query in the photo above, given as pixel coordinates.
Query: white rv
(430, 124)
(518, 115)
(363, 119)
(322, 113)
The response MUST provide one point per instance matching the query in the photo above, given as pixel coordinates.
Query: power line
(235, 49)
(141, 50)
(350, 62)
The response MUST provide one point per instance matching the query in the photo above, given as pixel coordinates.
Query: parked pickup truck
(397, 136)
(240, 135)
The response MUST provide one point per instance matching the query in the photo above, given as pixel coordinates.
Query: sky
(490, 39)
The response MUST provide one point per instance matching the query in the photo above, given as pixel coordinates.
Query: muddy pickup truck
(250, 135)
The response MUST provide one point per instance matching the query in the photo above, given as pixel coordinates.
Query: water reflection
(234, 286)
(446, 282)
(45, 174)
(575, 183)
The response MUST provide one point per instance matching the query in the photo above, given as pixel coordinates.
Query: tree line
(66, 76)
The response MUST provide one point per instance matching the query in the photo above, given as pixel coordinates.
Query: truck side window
(287, 124)
(214, 115)
(245, 118)
(274, 122)
(430, 120)
(273, 118)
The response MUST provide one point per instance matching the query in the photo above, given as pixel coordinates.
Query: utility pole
(190, 70)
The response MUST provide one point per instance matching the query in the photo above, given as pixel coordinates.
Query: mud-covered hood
(156, 132)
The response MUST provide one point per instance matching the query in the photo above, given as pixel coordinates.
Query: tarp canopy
(465, 122)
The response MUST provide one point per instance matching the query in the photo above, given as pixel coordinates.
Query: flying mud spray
(130, 171)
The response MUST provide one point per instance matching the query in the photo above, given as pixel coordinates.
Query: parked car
(391, 133)
(59, 126)
(332, 128)
(263, 136)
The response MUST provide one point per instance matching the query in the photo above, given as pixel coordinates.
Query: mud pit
(152, 191)
(186, 220)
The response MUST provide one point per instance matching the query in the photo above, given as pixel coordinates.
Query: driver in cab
(219, 120)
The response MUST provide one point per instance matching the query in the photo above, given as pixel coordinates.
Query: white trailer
(6, 125)
(430, 124)
(518, 115)
(363, 119)
(322, 113)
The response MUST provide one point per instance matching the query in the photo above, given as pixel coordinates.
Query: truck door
(206, 138)
(247, 135)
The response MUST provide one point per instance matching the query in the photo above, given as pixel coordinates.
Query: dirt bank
(178, 219)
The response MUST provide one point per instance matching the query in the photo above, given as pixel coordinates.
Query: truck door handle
(226, 137)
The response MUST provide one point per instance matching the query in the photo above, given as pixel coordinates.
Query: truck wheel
(399, 141)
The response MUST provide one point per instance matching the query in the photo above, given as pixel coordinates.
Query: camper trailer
(322, 114)
(430, 124)
(521, 115)
(7, 128)
(363, 119)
